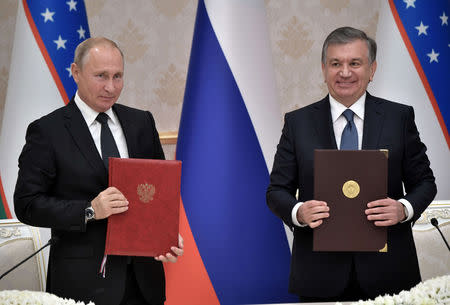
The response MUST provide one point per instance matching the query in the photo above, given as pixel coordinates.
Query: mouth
(345, 84)
(107, 98)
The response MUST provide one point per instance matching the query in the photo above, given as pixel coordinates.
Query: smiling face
(347, 71)
(100, 77)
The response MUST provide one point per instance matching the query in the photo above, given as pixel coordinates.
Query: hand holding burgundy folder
(150, 225)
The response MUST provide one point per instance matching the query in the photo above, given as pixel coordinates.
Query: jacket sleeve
(159, 153)
(417, 175)
(280, 195)
(33, 200)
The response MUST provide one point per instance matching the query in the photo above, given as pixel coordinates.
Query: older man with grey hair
(348, 65)
(63, 183)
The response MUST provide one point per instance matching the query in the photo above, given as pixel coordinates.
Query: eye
(335, 64)
(117, 76)
(355, 64)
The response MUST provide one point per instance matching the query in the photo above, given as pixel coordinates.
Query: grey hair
(82, 50)
(346, 35)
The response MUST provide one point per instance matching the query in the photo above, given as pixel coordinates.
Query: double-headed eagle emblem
(146, 192)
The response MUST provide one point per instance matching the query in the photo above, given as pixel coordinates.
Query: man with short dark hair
(63, 183)
(350, 118)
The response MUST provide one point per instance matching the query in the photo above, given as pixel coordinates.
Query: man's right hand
(312, 212)
(110, 201)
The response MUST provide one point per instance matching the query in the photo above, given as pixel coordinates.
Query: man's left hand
(385, 212)
(169, 257)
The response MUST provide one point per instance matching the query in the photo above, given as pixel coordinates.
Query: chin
(103, 107)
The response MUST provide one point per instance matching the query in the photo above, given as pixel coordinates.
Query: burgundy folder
(347, 180)
(150, 225)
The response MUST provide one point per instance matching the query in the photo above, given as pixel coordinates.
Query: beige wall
(156, 38)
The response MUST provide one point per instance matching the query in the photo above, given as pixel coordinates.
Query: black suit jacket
(386, 125)
(60, 172)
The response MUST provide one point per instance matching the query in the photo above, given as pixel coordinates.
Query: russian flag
(413, 67)
(237, 251)
(46, 34)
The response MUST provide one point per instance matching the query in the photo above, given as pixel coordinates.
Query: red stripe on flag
(187, 281)
(419, 69)
(5, 204)
(47, 58)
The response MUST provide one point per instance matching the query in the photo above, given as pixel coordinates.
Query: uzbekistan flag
(413, 68)
(236, 250)
(47, 32)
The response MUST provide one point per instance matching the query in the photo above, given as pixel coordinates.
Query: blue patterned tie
(108, 145)
(349, 139)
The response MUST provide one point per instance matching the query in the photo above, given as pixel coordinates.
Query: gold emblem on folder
(350, 189)
(146, 192)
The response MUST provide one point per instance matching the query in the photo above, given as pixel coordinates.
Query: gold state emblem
(350, 189)
(146, 192)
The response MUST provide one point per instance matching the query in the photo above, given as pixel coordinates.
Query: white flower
(431, 292)
(25, 297)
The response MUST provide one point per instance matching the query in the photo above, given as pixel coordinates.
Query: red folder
(150, 225)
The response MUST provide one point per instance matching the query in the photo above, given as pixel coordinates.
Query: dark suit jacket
(386, 125)
(60, 172)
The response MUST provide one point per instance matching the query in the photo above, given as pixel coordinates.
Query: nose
(109, 85)
(345, 71)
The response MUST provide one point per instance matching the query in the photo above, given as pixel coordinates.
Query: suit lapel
(127, 127)
(373, 122)
(323, 124)
(76, 125)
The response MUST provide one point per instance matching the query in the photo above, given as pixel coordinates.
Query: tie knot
(348, 114)
(102, 118)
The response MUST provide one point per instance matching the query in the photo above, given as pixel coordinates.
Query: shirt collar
(337, 108)
(90, 114)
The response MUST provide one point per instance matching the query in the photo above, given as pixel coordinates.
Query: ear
(324, 73)
(373, 68)
(75, 72)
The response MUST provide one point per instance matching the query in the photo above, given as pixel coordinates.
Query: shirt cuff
(294, 215)
(409, 211)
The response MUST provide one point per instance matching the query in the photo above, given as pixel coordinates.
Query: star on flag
(427, 35)
(62, 25)
(48, 15)
(422, 29)
(72, 5)
(444, 19)
(60, 43)
(433, 56)
(409, 3)
(81, 32)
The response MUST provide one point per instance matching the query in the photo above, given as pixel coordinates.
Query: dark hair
(82, 50)
(346, 35)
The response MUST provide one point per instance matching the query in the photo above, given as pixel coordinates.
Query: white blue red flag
(237, 251)
(46, 34)
(413, 68)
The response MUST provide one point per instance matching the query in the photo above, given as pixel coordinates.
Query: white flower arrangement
(25, 297)
(434, 291)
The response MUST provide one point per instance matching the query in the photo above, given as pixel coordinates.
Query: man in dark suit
(63, 184)
(348, 65)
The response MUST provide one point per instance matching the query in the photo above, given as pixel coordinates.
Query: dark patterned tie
(349, 139)
(108, 145)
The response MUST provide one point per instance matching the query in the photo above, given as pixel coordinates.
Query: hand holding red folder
(110, 201)
(177, 250)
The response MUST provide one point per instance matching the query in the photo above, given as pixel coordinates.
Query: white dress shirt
(339, 120)
(95, 127)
